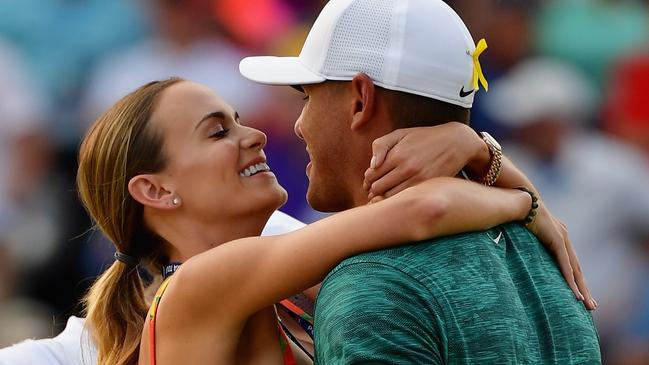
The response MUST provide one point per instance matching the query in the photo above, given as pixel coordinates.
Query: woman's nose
(254, 139)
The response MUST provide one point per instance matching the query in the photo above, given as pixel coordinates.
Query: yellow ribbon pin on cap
(478, 76)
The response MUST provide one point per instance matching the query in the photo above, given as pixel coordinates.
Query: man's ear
(363, 94)
(148, 191)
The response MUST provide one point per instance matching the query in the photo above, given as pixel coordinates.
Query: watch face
(491, 140)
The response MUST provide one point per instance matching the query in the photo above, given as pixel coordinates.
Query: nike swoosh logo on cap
(464, 94)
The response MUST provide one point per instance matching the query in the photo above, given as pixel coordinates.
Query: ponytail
(115, 310)
(118, 147)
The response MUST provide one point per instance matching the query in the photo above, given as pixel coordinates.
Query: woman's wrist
(479, 163)
(532, 207)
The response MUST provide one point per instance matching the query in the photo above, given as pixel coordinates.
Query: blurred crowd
(567, 99)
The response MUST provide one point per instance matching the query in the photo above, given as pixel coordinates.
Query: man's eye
(306, 97)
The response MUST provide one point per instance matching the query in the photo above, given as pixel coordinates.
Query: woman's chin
(270, 201)
(277, 203)
(283, 198)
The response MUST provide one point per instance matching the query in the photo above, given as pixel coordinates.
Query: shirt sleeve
(369, 313)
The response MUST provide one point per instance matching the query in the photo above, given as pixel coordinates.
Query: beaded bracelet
(535, 204)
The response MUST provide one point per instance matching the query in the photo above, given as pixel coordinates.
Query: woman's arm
(252, 273)
(409, 156)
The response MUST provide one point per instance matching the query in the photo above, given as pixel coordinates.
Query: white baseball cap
(416, 46)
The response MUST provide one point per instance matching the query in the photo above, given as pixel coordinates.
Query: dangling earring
(176, 201)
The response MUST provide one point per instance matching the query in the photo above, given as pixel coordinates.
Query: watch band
(496, 162)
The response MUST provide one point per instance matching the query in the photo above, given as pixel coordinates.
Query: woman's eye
(220, 133)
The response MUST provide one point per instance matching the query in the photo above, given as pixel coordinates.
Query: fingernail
(373, 161)
(370, 196)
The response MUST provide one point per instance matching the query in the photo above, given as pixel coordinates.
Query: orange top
(289, 359)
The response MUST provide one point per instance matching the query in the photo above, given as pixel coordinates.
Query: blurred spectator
(21, 168)
(507, 25)
(626, 111)
(254, 23)
(187, 42)
(592, 33)
(29, 224)
(62, 39)
(626, 115)
(596, 185)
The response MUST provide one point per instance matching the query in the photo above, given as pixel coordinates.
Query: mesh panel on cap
(360, 40)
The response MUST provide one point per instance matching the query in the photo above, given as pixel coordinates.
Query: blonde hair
(118, 147)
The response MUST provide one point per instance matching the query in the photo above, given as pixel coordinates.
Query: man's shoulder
(437, 255)
(480, 293)
(445, 268)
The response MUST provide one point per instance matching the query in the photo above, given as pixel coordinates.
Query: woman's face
(216, 166)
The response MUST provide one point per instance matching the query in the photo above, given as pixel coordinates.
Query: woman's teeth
(249, 171)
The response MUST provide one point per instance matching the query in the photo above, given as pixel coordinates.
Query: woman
(170, 175)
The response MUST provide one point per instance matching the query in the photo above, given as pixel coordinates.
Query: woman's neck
(188, 237)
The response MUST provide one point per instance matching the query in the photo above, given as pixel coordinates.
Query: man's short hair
(409, 110)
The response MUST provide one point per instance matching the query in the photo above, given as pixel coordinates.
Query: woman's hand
(554, 235)
(410, 156)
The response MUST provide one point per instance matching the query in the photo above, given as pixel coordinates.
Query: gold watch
(496, 152)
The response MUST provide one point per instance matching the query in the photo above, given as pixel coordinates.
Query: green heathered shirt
(491, 297)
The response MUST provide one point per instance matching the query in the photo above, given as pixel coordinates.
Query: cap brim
(278, 71)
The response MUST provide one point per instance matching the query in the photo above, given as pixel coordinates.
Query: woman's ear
(147, 190)
(363, 93)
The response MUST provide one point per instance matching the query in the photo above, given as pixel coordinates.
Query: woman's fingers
(376, 182)
(558, 248)
(554, 235)
(387, 165)
(580, 278)
(427, 151)
(391, 180)
(372, 175)
(381, 146)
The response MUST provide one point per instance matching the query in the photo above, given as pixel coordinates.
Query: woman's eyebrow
(218, 115)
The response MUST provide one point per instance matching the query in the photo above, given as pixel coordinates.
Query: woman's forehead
(188, 101)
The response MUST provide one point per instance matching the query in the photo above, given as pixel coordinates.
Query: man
(369, 67)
